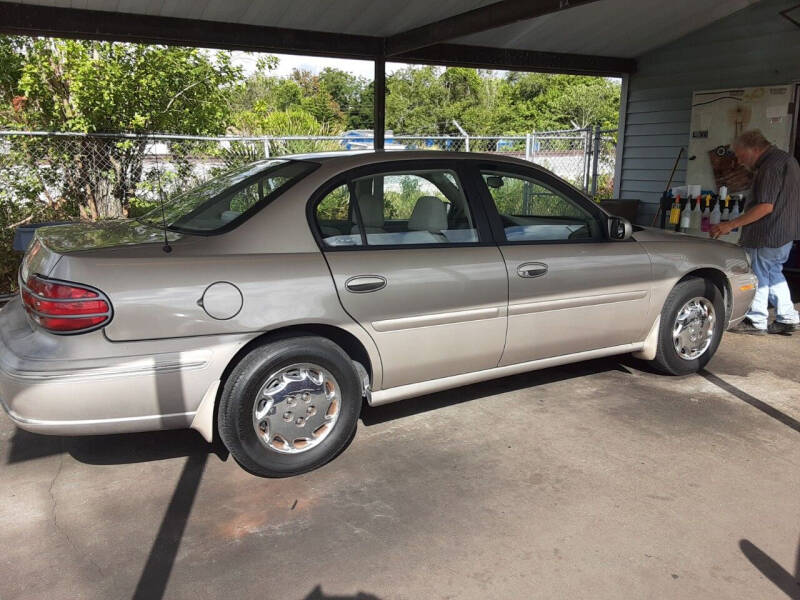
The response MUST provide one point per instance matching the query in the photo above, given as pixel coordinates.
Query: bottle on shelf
(735, 212)
(716, 214)
(705, 216)
(686, 216)
(726, 212)
(675, 213)
(694, 219)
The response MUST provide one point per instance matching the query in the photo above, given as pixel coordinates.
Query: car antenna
(166, 247)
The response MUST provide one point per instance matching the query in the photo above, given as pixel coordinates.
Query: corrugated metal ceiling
(622, 28)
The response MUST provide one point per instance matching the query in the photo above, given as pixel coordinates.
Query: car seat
(371, 209)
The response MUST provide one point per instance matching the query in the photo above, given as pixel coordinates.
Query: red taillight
(64, 307)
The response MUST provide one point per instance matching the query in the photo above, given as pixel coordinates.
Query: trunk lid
(51, 242)
(76, 237)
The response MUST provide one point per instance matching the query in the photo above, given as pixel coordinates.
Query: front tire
(289, 406)
(692, 322)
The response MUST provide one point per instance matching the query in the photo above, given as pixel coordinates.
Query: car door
(571, 288)
(414, 264)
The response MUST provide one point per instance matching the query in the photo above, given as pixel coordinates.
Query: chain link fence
(46, 177)
(103, 172)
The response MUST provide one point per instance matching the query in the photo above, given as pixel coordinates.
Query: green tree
(416, 101)
(87, 87)
(353, 95)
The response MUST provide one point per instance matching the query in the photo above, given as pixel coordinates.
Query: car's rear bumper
(85, 384)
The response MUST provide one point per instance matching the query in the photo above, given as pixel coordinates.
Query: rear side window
(230, 198)
(336, 219)
(399, 208)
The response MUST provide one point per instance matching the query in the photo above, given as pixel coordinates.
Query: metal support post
(587, 156)
(379, 103)
(595, 160)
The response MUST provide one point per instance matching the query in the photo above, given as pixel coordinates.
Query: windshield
(234, 196)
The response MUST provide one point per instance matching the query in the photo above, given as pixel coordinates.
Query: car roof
(354, 158)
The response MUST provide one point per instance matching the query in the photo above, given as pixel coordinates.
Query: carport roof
(573, 36)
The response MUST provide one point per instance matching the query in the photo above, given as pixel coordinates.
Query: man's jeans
(772, 286)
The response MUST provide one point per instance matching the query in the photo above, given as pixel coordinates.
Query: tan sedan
(290, 290)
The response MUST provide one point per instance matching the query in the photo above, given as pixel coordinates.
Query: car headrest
(429, 214)
(371, 211)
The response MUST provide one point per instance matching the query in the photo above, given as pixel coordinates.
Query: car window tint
(337, 220)
(414, 207)
(533, 211)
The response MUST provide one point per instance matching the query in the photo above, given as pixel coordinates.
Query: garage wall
(755, 46)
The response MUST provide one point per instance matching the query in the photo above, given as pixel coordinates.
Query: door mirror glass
(619, 228)
(494, 182)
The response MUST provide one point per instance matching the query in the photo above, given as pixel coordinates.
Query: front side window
(411, 207)
(530, 210)
(214, 204)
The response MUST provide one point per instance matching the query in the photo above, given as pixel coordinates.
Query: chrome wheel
(694, 327)
(296, 408)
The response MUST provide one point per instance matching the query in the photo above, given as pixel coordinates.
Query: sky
(314, 64)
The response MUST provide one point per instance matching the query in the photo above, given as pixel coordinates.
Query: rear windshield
(229, 199)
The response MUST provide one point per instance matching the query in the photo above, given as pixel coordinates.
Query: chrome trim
(435, 385)
(100, 296)
(530, 270)
(296, 408)
(130, 369)
(362, 284)
(51, 316)
(561, 303)
(694, 327)
(89, 422)
(460, 316)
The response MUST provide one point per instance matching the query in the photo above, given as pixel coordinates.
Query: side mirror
(619, 228)
(494, 182)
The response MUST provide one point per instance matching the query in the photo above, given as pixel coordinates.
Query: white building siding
(753, 47)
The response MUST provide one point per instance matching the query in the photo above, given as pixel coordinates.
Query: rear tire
(289, 406)
(692, 322)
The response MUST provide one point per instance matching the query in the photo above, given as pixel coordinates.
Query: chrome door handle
(360, 284)
(531, 269)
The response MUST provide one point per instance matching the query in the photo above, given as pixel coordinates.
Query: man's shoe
(747, 327)
(782, 328)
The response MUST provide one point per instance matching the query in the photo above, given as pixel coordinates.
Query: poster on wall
(718, 116)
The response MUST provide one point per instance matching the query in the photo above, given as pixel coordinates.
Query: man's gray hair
(751, 139)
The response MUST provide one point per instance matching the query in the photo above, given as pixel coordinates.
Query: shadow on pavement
(317, 594)
(752, 400)
(373, 415)
(788, 584)
(113, 449)
(155, 575)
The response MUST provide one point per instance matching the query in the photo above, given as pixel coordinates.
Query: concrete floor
(597, 480)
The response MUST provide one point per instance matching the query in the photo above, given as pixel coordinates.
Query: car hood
(651, 234)
(76, 237)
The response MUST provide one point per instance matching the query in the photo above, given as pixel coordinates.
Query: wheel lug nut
(306, 397)
(311, 409)
(287, 416)
(300, 421)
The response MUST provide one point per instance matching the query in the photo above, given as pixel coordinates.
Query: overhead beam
(484, 57)
(35, 20)
(475, 21)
